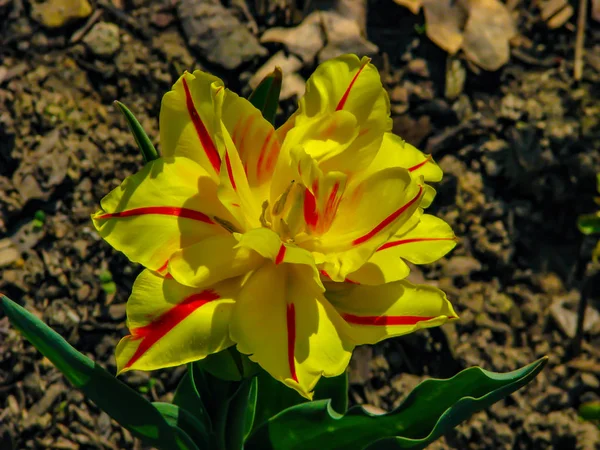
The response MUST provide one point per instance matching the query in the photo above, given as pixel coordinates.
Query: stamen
(280, 203)
(263, 215)
(225, 224)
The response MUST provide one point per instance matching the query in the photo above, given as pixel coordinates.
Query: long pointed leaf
(430, 410)
(188, 398)
(266, 95)
(118, 400)
(141, 138)
(180, 418)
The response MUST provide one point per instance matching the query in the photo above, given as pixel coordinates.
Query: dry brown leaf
(445, 21)
(413, 5)
(487, 34)
(344, 36)
(305, 40)
(596, 10)
(481, 28)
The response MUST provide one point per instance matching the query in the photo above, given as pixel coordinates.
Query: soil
(519, 148)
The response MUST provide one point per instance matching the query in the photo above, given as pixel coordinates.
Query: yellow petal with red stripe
(285, 324)
(166, 206)
(253, 136)
(396, 152)
(190, 120)
(351, 85)
(425, 241)
(362, 225)
(392, 309)
(171, 324)
(428, 241)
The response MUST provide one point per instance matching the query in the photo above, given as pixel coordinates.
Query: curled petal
(190, 120)
(284, 323)
(168, 205)
(172, 324)
(393, 309)
(350, 85)
(211, 260)
(428, 241)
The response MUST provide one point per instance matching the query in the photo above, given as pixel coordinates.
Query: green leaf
(180, 418)
(226, 403)
(141, 138)
(188, 398)
(118, 400)
(590, 411)
(335, 388)
(589, 223)
(237, 415)
(266, 95)
(251, 409)
(429, 411)
(274, 396)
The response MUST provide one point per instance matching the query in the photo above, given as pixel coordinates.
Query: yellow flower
(290, 243)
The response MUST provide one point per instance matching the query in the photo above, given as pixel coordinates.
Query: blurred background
(504, 94)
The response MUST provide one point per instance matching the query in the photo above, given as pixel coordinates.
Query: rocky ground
(519, 148)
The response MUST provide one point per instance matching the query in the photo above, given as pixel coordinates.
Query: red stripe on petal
(347, 93)
(291, 340)
(163, 268)
(230, 172)
(410, 241)
(207, 143)
(421, 164)
(280, 254)
(311, 215)
(387, 220)
(263, 151)
(153, 332)
(184, 213)
(384, 320)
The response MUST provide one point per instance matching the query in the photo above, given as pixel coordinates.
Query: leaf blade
(142, 140)
(408, 426)
(127, 407)
(266, 95)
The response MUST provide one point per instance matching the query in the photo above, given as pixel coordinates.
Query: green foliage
(430, 410)
(142, 140)
(590, 411)
(106, 282)
(266, 95)
(39, 219)
(118, 400)
(590, 223)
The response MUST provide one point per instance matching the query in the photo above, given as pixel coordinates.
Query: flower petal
(168, 205)
(172, 324)
(284, 323)
(427, 242)
(396, 152)
(211, 260)
(361, 225)
(420, 241)
(392, 309)
(253, 137)
(190, 120)
(345, 84)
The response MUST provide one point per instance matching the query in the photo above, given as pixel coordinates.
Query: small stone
(117, 311)
(103, 39)
(461, 266)
(58, 13)
(399, 94)
(8, 253)
(418, 67)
